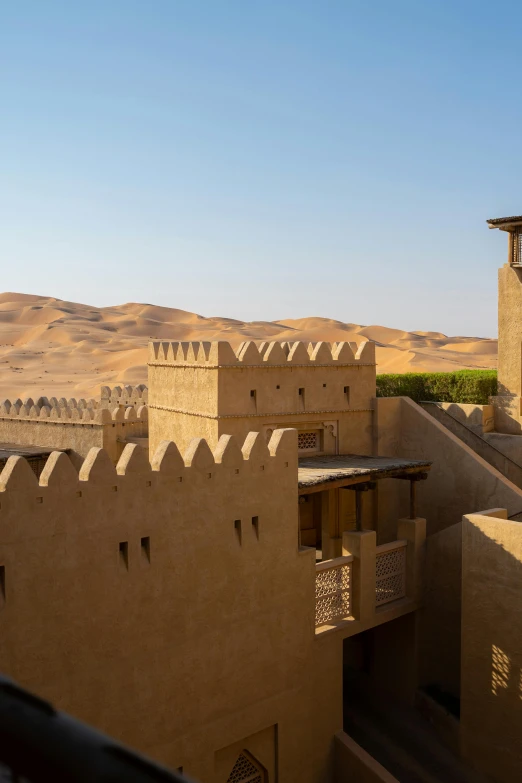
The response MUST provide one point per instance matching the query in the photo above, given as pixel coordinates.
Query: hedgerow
(463, 386)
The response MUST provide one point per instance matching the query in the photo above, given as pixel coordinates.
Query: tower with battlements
(207, 390)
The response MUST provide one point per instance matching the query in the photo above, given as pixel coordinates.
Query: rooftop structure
(505, 223)
(274, 544)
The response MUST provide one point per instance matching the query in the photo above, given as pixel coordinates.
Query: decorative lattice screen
(308, 441)
(517, 249)
(390, 575)
(332, 593)
(246, 770)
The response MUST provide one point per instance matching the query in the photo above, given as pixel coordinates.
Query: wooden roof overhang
(316, 474)
(506, 223)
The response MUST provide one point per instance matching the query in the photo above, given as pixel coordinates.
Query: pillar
(331, 541)
(414, 532)
(361, 545)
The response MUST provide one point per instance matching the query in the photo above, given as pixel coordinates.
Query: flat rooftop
(13, 449)
(342, 470)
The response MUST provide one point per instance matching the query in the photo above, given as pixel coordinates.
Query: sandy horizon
(54, 347)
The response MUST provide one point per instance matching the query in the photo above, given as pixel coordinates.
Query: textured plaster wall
(190, 643)
(242, 395)
(79, 438)
(509, 330)
(479, 418)
(491, 705)
(440, 616)
(458, 483)
(459, 480)
(509, 445)
(486, 445)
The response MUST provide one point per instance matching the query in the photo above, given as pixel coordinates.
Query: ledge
(349, 626)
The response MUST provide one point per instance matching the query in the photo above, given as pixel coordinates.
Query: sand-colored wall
(479, 418)
(75, 429)
(509, 445)
(439, 618)
(491, 711)
(485, 445)
(509, 330)
(507, 405)
(191, 640)
(123, 395)
(74, 436)
(459, 480)
(209, 390)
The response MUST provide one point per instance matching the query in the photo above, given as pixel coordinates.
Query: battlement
(72, 410)
(265, 354)
(123, 395)
(227, 459)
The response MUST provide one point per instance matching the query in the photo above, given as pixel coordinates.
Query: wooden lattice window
(516, 255)
(308, 441)
(247, 770)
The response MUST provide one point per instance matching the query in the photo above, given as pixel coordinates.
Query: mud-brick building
(279, 577)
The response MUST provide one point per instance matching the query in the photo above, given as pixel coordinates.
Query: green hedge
(464, 386)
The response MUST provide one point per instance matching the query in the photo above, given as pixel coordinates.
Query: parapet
(72, 411)
(198, 461)
(123, 395)
(280, 354)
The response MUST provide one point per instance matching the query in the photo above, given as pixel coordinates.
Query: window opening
(246, 770)
(308, 441)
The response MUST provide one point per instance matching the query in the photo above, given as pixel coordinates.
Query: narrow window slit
(145, 548)
(124, 554)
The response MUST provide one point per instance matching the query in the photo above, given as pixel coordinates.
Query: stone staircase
(480, 445)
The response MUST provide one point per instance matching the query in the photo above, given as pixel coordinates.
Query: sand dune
(70, 349)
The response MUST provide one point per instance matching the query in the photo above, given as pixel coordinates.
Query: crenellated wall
(168, 603)
(207, 389)
(123, 395)
(76, 425)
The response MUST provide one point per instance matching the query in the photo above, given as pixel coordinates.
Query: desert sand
(48, 346)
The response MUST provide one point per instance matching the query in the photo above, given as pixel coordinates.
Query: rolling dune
(48, 346)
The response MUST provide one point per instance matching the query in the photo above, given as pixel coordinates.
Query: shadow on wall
(507, 413)
(459, 479)
(440, 617)
(491, 689)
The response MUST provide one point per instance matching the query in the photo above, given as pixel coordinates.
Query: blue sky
(262, 160)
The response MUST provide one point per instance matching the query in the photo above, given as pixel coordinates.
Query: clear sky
(262, 160)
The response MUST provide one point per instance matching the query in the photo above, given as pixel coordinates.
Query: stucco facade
(491, 715)
(207, 390)
(170, 604)
(201, 601)
(118, 417)
(171, 601)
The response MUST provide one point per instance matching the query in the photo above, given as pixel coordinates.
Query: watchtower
(508, 402)
(207, 389)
